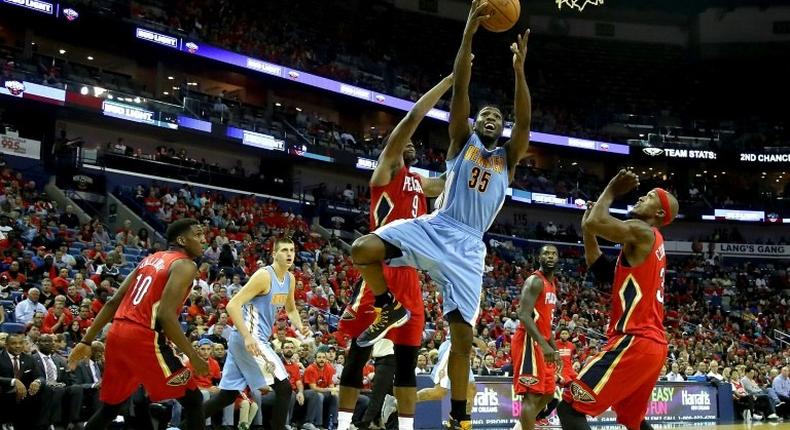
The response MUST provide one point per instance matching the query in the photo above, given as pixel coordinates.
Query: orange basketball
(504, 14)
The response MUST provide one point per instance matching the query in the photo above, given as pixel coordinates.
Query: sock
(344, 420)
(405, 422)
(517, 425)
(383, 300)
(458, 410)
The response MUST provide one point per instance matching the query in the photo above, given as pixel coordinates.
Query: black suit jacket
(60, 363)
(28, 371)
(82, 375)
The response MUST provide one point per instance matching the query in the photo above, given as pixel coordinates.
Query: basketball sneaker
(453, 424)
(388, 317)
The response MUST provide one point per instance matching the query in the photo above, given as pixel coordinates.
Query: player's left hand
(519, 50)
(78, 353)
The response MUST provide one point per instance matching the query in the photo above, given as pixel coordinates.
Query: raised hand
(624, 182)
(477, 14)
(519, 50)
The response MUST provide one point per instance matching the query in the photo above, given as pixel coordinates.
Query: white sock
(405, 423)
(344, 420)
(517, 426)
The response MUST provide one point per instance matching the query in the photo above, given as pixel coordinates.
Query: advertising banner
(19, 146)
(496, 405)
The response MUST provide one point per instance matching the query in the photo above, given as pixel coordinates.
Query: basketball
(504, 14)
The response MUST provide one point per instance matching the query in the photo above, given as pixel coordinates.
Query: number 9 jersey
(141, 301)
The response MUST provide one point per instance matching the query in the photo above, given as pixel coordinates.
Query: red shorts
(621, 376)
(531, 374)
(404, 284)
(567, 374)
(137, 355)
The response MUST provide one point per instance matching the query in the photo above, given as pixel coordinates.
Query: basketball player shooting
(623, 374)
(395, 193)
(144, 319)
(449, 242)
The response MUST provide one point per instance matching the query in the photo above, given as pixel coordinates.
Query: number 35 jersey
(477, 181)
(142, 299)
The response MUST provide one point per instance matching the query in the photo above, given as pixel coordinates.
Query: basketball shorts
(136, 355)
(439, 373)
(242, 369)
(451, 252)
(531, 374)
(621, 376)
(404, 284)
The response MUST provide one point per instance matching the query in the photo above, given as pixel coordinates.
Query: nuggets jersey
(260, 313)
(544, 307)
(477, 181)
(401, 198)
(638, 295)
(141, 301)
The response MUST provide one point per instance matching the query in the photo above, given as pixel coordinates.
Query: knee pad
(406, 357)
(356, 358)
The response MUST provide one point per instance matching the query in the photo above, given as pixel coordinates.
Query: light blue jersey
(477, 181)
(261, 312)
(242, 369)
(448, 243)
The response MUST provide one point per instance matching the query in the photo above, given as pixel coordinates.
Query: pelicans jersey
(531, 374)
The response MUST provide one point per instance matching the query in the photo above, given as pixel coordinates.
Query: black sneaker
(453, 424)
(389, 316)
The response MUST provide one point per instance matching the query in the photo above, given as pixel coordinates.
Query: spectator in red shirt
(101, 298)
(58, 318)
(318, 376)
(309, 402)
(152, 203)
(208, 383)
(60, 283)
(318, 298)
(14, 275)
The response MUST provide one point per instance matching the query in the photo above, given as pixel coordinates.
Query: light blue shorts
(451, 252)
(243, 370)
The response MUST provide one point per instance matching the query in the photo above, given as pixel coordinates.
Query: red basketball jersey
(141, 301)
(638, 295)
(544, 307)
(402, 198)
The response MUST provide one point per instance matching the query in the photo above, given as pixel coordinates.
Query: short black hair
(178, 228)
(547, 246)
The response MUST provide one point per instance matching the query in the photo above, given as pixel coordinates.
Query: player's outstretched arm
(182, 274)
(391, 159)
(259, 283)
(82, 350)
(529, 294)
(460, 129)
(592, 251)
(601, 223)
(432, 187)
(519, 139)
(292, 311)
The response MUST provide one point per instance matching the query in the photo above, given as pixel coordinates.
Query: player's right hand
(251, 345)
(78, 353)
(624, 182)
(200, 365)
(477, 14)
(550, 355)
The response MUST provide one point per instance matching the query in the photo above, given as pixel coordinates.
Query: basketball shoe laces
(382, 320)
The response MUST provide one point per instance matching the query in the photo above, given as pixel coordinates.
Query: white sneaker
(773, 417)
(309, 426)
(757, 417)
(389, 407)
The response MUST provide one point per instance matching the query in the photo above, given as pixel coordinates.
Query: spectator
(714, 374)
(674, 375)
(318, 377)
(761, 400)
(100, 235)
(27, 308)
(742, 400)
(69, 218)
(208, 383)
(58, 318)
(309, 410)
(26, 381)
(781, 386)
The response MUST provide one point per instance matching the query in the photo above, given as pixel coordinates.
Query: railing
(782, 338)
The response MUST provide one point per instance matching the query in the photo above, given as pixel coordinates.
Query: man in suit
(20, 385)
(58, 390)
(88, 378)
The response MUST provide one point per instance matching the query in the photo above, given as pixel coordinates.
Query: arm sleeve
(603, 269)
